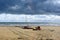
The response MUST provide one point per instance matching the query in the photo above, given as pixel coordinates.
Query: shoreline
(33, 25)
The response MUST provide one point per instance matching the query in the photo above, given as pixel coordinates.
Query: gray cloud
(30, 6)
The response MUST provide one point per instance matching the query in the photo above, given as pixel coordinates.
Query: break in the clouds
(30, 6)
(28, 18)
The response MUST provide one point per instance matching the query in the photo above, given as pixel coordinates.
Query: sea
(28, 23)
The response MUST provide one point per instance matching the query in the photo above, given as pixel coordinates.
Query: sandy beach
(17, 33)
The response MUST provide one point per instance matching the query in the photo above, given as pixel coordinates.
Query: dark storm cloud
(30, 7)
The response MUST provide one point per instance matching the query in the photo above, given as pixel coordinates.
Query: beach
(18, 33)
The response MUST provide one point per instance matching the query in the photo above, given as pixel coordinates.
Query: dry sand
(17, 33)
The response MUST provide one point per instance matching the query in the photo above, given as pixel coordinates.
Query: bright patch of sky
(15, 7)
(55, 2)
(28, 18)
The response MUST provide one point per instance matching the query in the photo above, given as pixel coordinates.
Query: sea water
(27, 23)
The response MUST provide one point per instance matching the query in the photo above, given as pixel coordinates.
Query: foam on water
(27, 23)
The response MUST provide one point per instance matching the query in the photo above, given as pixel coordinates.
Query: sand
(17, 33)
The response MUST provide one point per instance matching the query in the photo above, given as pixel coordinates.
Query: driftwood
(37, 28)
(27, 27)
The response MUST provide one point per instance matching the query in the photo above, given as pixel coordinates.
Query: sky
(30, 11)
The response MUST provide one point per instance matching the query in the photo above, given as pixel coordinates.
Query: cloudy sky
(30, 11)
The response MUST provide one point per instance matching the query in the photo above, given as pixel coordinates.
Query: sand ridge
(17, 33)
